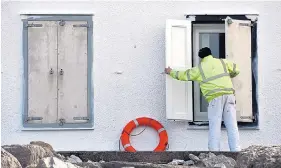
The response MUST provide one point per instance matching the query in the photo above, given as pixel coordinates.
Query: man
(214, 76)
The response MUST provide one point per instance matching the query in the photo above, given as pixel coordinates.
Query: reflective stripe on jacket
(214, 76)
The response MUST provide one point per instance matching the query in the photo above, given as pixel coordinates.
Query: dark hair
(204, 52)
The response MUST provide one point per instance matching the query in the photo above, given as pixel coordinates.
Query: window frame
(206, 19)
(90, 112)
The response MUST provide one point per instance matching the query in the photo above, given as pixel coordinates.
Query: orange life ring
(125, 136)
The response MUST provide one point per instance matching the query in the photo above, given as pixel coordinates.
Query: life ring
(144, 121)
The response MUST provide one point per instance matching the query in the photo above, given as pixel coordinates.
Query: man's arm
(188, 75)
(232, 68)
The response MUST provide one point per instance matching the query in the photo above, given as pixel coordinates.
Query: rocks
(210, 154)
(206, 160)
(176, 162)
(259, 157)
(118, 164)
(89, 164)
(39, 154)
(43, 145)
(202, 155)
(219, 160)
(74, 159)
(194, 158)
(8, 160)
(48, 148)
(53, 162)
(59, 156)
(220, 165)
(28, 155)
(189, 163)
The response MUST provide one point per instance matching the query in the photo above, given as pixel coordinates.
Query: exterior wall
(130, 37)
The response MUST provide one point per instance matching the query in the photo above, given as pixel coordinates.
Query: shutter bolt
(51, 71)
(61, 72)
(61, 121)
(62, 23)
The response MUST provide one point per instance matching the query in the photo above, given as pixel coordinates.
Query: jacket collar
(206, 58)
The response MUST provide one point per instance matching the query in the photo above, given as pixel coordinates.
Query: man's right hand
(168, 70)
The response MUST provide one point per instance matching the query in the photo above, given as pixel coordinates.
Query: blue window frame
(90, 113)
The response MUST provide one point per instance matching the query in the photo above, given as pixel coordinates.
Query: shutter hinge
(82, 25)
(33, 118)
(81, 118)
(245, 24)
(229, 21)
(33, 25)
(247, 117)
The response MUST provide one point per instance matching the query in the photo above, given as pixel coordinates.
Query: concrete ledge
(151, 157)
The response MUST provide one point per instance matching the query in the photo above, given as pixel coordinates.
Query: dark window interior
(222, 45)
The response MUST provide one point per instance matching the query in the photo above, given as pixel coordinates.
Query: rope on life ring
(144, 121)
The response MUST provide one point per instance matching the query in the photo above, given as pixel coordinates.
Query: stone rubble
(260, 157)
(53, 162)
(39, 154)
(188, 163)
(220, 159)
(207, 160)
(176, 162)
(194, 158)
(8, 160)
(28, 155)
(74, 159)
(89, 164)
(203, 155)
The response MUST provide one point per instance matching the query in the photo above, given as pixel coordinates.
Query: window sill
(50, 127)
(204, 127)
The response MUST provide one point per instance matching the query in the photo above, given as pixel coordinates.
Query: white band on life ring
(126, 146)
(161, 129)
(136, 122)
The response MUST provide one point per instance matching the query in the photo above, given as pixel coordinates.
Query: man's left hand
(168, 70)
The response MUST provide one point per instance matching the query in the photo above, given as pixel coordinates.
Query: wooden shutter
(238, 50)
(42, 77)
(179, 105)
(72, 63)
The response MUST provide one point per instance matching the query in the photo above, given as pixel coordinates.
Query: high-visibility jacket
(214, 76)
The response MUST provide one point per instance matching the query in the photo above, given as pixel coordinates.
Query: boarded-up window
(58, 72)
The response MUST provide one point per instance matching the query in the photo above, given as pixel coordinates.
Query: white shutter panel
(238, 50)
(72, 84)
(179, 104)
(42, 77)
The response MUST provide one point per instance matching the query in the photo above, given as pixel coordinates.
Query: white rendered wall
(130, 37)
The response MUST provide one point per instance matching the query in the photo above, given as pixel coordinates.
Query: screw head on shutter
(229, 21)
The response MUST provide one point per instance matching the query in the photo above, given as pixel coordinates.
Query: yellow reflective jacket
(214, 76)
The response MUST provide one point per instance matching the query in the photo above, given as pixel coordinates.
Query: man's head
(204, 52)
